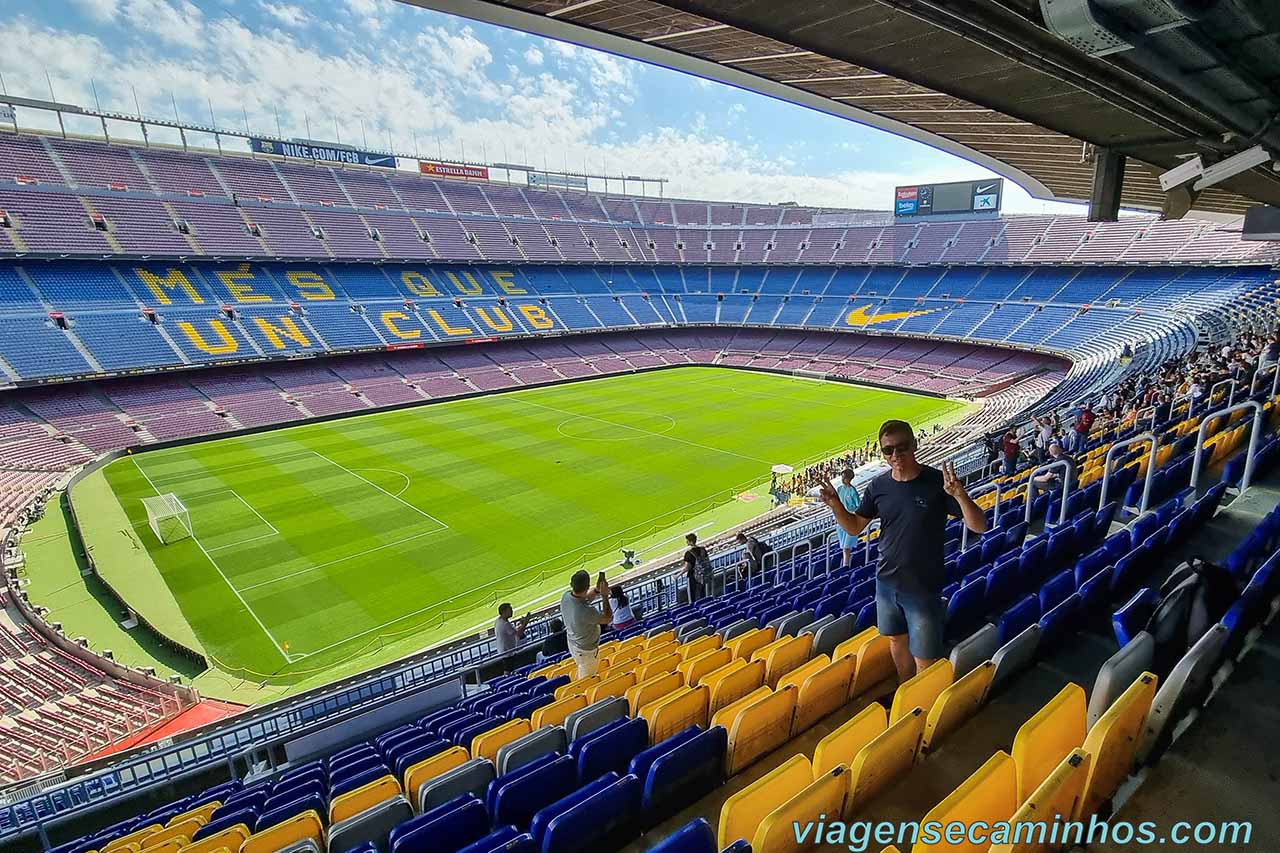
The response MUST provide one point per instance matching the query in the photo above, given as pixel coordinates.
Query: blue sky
(386, 72)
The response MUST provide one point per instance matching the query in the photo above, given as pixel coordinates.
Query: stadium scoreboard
(959, 197)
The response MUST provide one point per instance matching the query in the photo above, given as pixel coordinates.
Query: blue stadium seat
(285, 811)
(610, 748)
(1132, 617)
(1018, 618)
(594, 818)
(696, 836)
(1056, 590)
(1060, 622)
(1003, 584)
(491, 793)
(518, 800)
(684, 773)
(965, 609)
(455, 824)
(505, 840)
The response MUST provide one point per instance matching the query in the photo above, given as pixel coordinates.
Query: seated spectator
(624, 615)
(753, 556)
(555, 642)
(1051, 481)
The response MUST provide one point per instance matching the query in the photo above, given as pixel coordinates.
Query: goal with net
(168, 518)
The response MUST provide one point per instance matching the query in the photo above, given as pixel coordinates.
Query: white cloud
(460, 53)
(102, 10)
(287, 14)
(369, 13)
(533, 56)
(178, 23)
(441, 83)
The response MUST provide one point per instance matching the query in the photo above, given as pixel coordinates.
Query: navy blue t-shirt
(913, 520)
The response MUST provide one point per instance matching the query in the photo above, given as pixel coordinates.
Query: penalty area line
(274, 642)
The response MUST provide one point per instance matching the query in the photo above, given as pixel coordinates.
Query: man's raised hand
(950, 482)
(829, 496)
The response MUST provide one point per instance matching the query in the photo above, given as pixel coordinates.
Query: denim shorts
(922, 617)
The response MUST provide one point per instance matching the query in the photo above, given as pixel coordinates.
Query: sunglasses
(902, 448)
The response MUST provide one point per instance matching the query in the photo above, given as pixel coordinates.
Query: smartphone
(599, 578)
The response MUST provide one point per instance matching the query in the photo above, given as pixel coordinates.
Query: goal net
(168, 518)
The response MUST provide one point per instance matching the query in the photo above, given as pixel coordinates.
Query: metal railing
(998, 488)
(1066, 484)
(1231, 392)
(1151, 468)
(1254, 436)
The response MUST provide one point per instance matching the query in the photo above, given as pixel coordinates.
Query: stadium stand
(123, 261)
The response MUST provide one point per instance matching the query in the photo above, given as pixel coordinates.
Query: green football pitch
(328, 547)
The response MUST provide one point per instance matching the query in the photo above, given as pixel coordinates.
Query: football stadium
(355, 500)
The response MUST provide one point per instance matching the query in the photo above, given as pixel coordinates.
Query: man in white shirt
(507, 634)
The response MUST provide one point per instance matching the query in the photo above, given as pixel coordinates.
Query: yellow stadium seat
(660, 650)
(757, 726)
(956, 704)
(567, 667)
(922, 689)
(364, 797)
(303, 827)
(1057, 798)
(743, 812)
(231, 839)
(849, 648)
(577, 688)
(990, 795)
(676, 711)
(654, 688)
(659, 639)
(429, 768)
(822, 690)
(822, 798)
(1048, 737)
(546, 671)
(203, 812)
(787, 654)
(844, 743)
(693, 669)
(172, 831)
(800, 673)
(1112, 742)
(136, 838)
(623, 655)
(744, 645)
(614, 685)
(890, 849)
(658, 666)
(884, 759)
(636, 642)
(734, 685)
(554, 714)
(874, 664)
(487, 744)
(172, 844)
(702, 645)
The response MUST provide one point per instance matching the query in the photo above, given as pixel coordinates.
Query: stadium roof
(988, 80)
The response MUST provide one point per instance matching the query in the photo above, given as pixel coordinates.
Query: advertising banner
(547, 181)
(437, 169)
(322, 153)
(7, 114)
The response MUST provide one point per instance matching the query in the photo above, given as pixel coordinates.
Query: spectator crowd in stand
(1148, 397)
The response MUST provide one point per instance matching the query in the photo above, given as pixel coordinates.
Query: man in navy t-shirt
(912, 502)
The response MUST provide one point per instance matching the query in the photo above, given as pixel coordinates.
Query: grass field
(325, 546)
